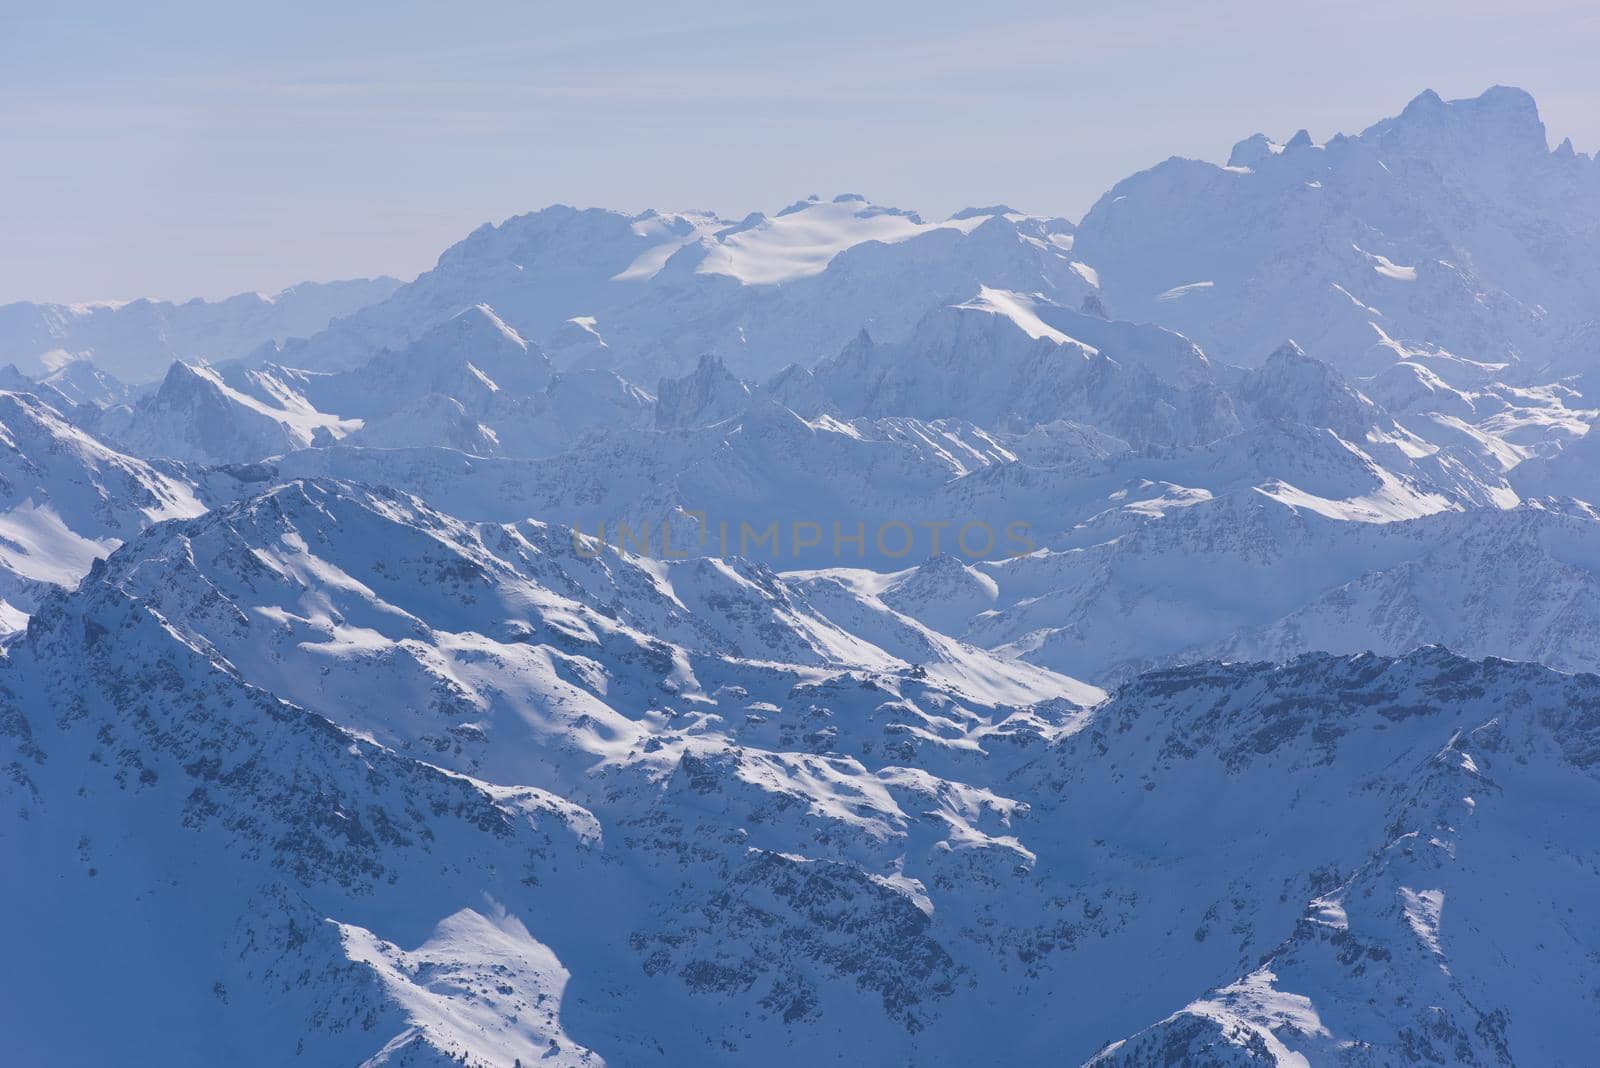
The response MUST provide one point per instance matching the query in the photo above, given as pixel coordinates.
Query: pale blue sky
(180, 149)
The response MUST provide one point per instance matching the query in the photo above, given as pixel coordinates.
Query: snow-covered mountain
(497, 821)
(136, 340)
(470, 384)
(647, 295)
(237, 415)
(1412, 952)
(1006, 359)
(832, 636)
(1451, 227)
(479, 663)
(67, 500)
(1452, 224)
(708, 394)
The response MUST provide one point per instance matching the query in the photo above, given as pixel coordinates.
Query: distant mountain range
(135, 340)
(1168, 638)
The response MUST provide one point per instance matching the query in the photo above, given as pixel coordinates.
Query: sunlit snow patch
(802, 242)
(1177, 292)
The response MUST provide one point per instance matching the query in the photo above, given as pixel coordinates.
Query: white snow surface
(802, 241)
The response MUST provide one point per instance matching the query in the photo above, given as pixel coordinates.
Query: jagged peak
(1294, 387)
(861, 343)
(1290, 359)
(709, 369)
(1424, 103)
(1253, 150)
(793, 372)
(1288, 351)
(707, 394)
(941, 565)
(1501, 116)
(183, 378)
(475, 342)
(1296, 376)
(479, 321)
(710, 363)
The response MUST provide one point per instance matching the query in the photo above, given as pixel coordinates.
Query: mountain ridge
(835, 634)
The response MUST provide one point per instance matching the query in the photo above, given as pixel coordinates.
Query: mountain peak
(81, 381)
(1288, 352)
(472, 354)
(1253, 150)
(479, 322)
(1502, 119)
(183, 378)
(1293, 387)
(1426, 102)
(1508, 98)
(708, 394)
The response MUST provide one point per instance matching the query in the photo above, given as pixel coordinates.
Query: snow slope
(66, 500)
(860, 863)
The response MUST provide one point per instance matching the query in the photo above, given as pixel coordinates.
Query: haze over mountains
(132, 339)
(838, 634)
